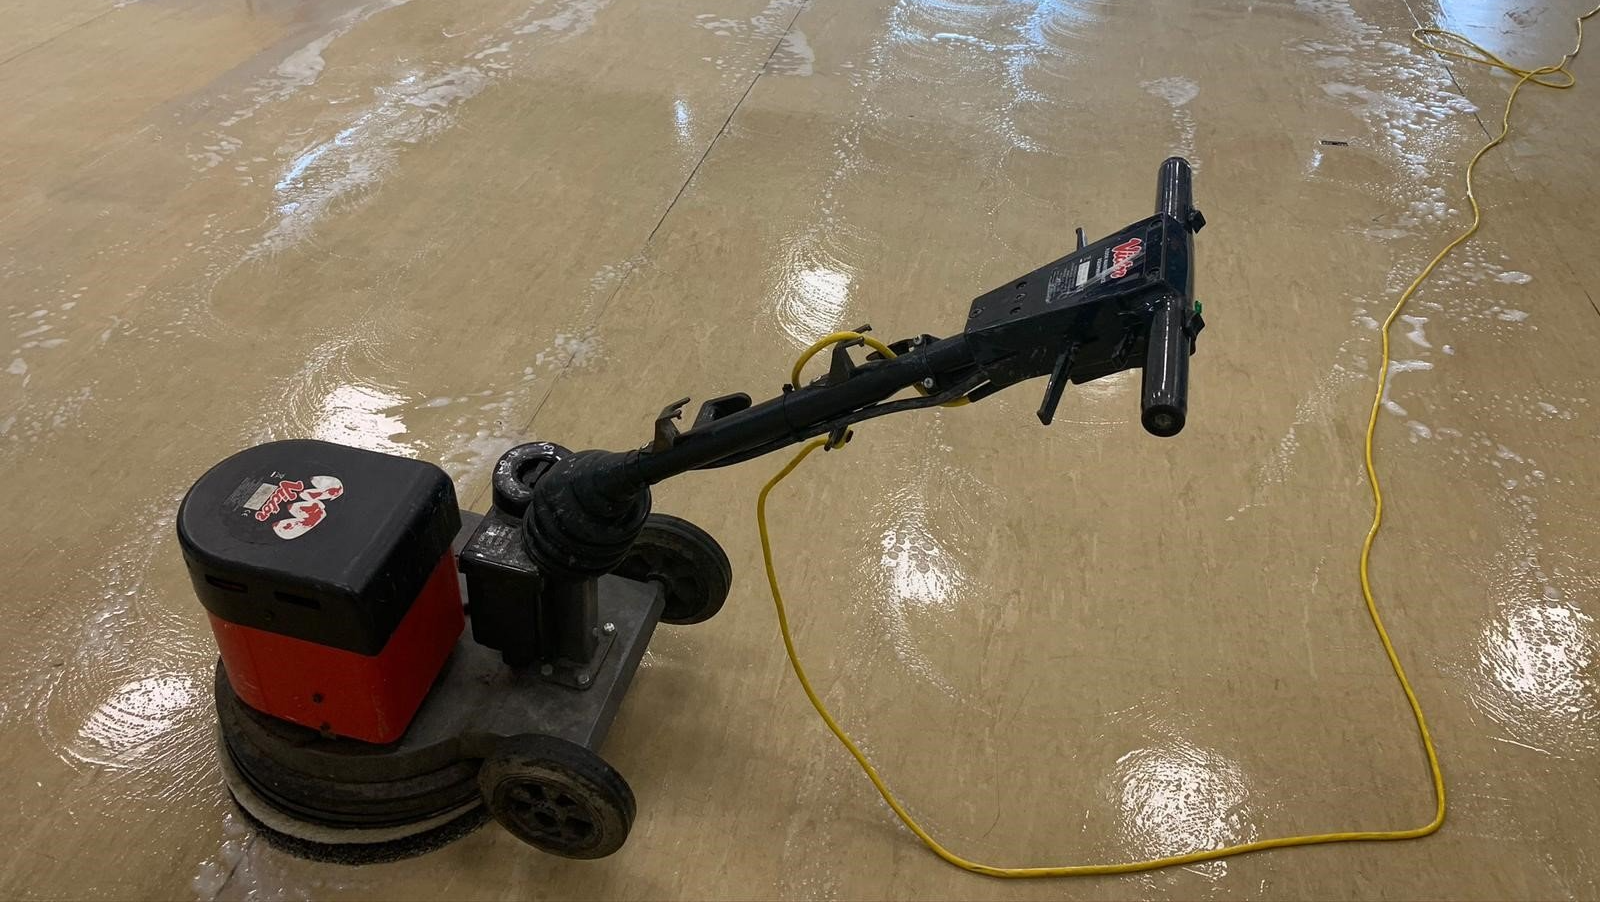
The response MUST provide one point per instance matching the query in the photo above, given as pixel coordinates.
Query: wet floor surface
(437, 229)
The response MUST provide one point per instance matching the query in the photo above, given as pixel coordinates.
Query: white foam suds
(300, 69)
(1407, 366)
(980, 43)
(1416, 335)
(794, 55)
(355, 159)
(569, 350)
(1397, 367)
(1386, 234)
(572, 16)
(1177, 92)
(1512, 277)
(421, 101)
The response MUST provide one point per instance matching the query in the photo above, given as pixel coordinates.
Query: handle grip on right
(1165, 405)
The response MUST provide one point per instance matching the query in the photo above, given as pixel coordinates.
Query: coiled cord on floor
(1425, 37)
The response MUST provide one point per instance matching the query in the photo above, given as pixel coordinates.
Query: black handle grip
(1166, 365)
(1166, 370)
(1174, 189)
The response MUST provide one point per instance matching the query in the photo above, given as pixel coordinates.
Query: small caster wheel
(687, 561)
(557, 796)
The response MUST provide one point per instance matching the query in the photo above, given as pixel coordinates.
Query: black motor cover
(316, 541)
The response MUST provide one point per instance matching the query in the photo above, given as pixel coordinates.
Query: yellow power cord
(1476, 54)
(873, 343)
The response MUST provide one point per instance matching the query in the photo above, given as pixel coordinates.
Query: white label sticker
(261, 496)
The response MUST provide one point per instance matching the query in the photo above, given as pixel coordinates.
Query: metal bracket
(581, 676)
(841, 367)
(666, 430)
(717, 408)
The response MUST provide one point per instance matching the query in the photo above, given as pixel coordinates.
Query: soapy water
(120, 686)
(1178, 92)
(1416, 118)
(35, 334)
(340, 169)
(1001, 50)
(298, 70)
(1176, 797)
(1396, 367)
(316, 181)
(1537, 664)
(245, 867)
(1315, 407)
(1535, 673)
(1531, 665)
(420, 102)
(794, 56)
(811, 279)
(918, 579)
(327, 399)
(770, 27)
(1169, 794)
(331, 397)
(1415, 335)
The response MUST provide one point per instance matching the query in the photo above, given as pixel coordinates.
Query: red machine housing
(368, 697)
(329, 580)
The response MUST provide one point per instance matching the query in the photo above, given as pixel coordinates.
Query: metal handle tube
(791, 414)
(1166, 371)
(1165, 401)
(1174, 189)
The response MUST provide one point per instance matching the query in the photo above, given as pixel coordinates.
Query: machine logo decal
(1123, 255)
(271, 498)
(307, 509)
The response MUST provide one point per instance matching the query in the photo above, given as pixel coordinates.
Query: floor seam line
(57, 36)
(682, 190)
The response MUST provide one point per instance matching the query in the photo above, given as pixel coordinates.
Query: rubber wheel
(557, 796)
(687, 561)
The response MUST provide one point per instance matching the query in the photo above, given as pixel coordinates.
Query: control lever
(1058, 380)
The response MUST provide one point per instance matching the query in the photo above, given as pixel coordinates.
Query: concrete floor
(439, 228)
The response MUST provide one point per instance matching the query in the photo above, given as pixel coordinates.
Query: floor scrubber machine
(361, 719)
